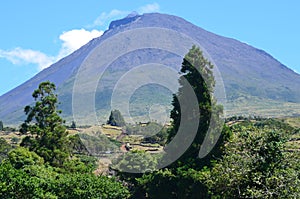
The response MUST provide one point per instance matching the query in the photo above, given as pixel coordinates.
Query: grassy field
(255, 106)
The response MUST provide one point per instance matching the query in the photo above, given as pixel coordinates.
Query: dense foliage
(256, 164)
(34, 181)
(248, 161)
(47, 134)
(197, 70)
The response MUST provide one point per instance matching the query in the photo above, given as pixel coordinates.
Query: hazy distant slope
(255, 82)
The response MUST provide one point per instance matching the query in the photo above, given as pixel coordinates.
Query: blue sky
(35, 33)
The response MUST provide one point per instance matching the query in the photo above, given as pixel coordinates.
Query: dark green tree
(116, 118)
(197, 70)
(1, 126)
(185, 178)
(73, 125)
(46, 134)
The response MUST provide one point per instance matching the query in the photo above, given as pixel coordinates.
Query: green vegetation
(1, 126)
(35, 181)
(198, 72)
(256, 164)
(134, 161)
(254, 157)
(116, 118)
(97, 144)
(48, 136)
(4, 149)
(21, 157)
(50, 164)
(295, 122)
(245, 104)
(152, 132)
(160, 137)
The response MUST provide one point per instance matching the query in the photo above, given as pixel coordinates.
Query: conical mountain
(255, 83)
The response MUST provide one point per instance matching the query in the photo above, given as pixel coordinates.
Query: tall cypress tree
(1, 126)
(197, 72)
(192, 115)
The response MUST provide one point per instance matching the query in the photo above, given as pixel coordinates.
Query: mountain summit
(255, 82)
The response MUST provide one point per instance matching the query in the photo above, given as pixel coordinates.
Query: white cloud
(117, 14)
(154, 7)
(20, 56)
(72, 40)
(105, 17)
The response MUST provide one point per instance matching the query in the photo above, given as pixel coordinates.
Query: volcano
(254, 82)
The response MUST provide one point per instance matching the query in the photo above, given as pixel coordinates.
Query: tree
(185, 178)
(77, 186)
(134, 161)
(166, 183)
(130, 166)
(116, 118)
(197, 70)
(1, 126)
(46, 134)
(73, 125)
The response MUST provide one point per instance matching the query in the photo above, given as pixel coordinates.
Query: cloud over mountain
(74, 39)
(71, 41)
